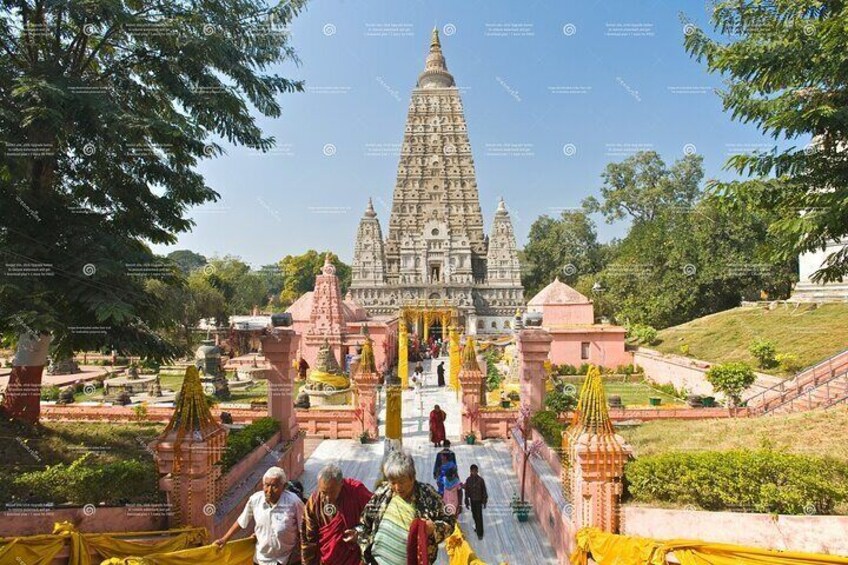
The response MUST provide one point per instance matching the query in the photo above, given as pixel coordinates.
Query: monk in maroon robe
(437, 426)
(332, 511)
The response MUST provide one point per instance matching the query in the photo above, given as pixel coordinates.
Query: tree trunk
(23, 393)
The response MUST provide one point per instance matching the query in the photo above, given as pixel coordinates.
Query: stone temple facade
(436, 250)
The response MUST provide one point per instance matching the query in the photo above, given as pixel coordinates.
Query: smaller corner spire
(434, 39)
(369, 210)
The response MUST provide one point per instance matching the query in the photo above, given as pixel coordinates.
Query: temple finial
(369, 211)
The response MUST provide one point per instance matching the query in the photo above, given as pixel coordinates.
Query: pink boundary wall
(813, 534)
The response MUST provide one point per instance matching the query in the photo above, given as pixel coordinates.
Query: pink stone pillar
(471, 382)
(366, 385)
(597, 467)
(534, 345)
(279, 346)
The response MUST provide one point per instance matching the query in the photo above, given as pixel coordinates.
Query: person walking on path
(403, 519)
(451, 488)
(277, 515)
(443, 457)
(332, 512)
(440, 373)
(476, 497)
(437, 426)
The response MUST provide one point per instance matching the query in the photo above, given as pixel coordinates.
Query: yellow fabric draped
(609, 549)
(338, 382)
(393, 412)
(32, 550)
(459, 550)
(234, 553)
(403, 354)
(455, 362)
(38, 550)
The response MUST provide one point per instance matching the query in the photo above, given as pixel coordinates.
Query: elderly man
(332, 511)
(277, 515)
(403, 516)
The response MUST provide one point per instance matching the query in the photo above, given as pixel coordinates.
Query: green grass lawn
(819, 433)
(813, 334)
(632, 393)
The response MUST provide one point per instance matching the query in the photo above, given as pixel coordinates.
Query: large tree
(187, 260)
(299, 272)
(106, 108)
(783, 62)
(565, 247)
(642, 186)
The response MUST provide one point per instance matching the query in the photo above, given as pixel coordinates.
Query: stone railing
(650, 414)
(339, 422)
(495, 423)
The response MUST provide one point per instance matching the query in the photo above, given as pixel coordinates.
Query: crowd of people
(343, 523)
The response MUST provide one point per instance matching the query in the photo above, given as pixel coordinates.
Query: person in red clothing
(331, 513)
(437, 425)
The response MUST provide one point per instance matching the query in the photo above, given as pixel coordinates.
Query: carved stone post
(471, 379)
(596, 458)
(533, 348)
(366, 380)
(279, 346)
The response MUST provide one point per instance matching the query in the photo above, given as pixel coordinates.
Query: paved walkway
(506, 539)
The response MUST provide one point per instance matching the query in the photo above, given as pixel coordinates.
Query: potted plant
(473, 415)
(364, 437)
(505, 401)
(520, 507)
(655, 401)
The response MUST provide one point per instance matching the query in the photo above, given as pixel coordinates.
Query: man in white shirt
(277, 515)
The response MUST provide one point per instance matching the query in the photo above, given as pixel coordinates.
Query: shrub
(789, 362)
(493, 375)
(559, 400)
(84, 481)
(628, 370)
(764, 352)
(731, 379)
(566, 369)
(583, 369)
(545, 422)
(50, 393)
(753, 481)
(642, 334)
(684, 349)
(242, 442)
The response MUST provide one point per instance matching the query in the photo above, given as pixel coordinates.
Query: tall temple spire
(435, 73)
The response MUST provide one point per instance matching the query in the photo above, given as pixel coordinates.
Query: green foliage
(731, 379)
(565, 247)
(187, 260)
(50, 393)
(583, 369)
(493, 375)
(561, 400)
(764, 351)
(789, 362)
(565, 369)
(241, 442)
(684, 349)
(679, 259)
(782, 66)
(642, 334)
(121, 117)
(751, 481)
(83, 481)
(299, 272)
(628, 370)
(545, 422)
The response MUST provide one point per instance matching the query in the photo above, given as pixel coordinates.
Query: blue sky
(552, 90)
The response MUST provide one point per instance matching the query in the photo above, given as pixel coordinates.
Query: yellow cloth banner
(609, 549)
(459, 550)
(234, 553)
(40, 550)
(394, 417)
(32, 550)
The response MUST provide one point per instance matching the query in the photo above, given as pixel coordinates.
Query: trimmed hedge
(86, 481)
(241, 442)
(747, 481)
